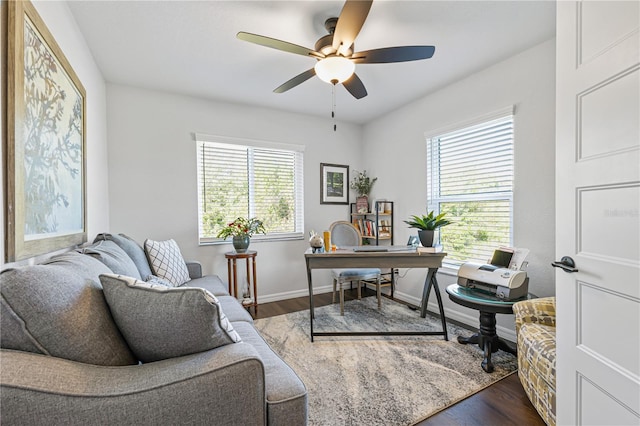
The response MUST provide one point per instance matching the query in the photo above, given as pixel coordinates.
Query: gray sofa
(64, 360)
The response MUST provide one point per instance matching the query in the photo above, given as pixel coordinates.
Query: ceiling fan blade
(393, 54)
(350, 22)
(355, 86)
(300, 78)
(278, 44)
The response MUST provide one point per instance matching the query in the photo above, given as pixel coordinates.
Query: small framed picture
(334, 181)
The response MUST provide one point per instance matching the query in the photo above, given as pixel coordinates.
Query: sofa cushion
(212, 283)
(113, 256)
(162, 322)
(166, 261)
(234, 310)
(132, 248)
(286, 394)
(58, 309)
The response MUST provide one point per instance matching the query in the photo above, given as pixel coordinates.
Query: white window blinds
(237, 180)
(470, 177)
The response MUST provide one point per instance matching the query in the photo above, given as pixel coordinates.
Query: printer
(498, 278)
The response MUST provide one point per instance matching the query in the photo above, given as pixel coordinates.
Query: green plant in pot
(426, 225)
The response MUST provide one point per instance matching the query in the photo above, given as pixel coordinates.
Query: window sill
(448, 270)
(253, 240)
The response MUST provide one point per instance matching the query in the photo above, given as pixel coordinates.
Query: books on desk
(435, 249)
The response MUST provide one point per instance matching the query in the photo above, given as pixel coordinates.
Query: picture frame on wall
(46, 139)
(334, 184)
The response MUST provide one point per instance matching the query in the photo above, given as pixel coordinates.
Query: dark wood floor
(503, 403)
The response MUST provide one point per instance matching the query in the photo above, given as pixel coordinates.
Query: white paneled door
(598, 212)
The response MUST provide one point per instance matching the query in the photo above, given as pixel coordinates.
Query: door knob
(566, 264)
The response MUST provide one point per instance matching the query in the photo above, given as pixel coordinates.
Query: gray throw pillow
(166, 261)
(113, 256)
(132, 248)
(160, 322)
(58, 309)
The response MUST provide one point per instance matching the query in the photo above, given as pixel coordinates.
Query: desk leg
(311, 313)
(425, 293)
(440, 307)
(393, 281)
(429, 282)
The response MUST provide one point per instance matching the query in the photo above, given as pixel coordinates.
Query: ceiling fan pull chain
(333, 106)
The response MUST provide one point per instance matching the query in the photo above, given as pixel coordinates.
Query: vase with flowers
(362, 184)
(241, 230)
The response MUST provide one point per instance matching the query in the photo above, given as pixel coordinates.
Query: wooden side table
(249, 257)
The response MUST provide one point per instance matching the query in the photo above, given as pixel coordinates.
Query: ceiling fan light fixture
(335, 61)
(334, 69)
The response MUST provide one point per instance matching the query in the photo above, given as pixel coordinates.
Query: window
(240, 178)
(470, 177)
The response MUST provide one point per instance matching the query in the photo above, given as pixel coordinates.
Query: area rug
(380, 380)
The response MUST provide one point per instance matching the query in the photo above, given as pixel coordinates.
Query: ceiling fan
(335, 52)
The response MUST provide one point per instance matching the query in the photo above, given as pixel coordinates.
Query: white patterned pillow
(166, 261)
(160, 322)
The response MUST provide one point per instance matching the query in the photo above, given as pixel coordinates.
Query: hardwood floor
(503, 403)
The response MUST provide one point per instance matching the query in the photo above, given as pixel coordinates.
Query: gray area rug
(380, 380)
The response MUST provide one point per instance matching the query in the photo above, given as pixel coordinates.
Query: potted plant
(362, 184)
(242, 229)
(426, 225)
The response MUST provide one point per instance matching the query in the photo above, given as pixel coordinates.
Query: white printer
(501, 276)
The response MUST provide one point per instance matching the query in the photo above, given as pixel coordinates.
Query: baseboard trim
(276, 297)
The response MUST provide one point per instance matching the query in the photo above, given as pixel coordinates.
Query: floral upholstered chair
(536, 331)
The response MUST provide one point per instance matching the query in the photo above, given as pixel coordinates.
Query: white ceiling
(189, 47)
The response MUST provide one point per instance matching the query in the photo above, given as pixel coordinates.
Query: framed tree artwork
(334, 181)
(46, 134)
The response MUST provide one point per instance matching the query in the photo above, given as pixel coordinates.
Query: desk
(488, 305)
(347, 258)
(248, 256)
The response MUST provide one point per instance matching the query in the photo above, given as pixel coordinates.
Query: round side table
(250, 258)
(488, 306)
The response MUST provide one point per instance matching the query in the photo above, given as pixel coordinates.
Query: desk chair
(344, 234)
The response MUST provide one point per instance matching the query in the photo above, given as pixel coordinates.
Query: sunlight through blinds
(470, 177)
(245, 181)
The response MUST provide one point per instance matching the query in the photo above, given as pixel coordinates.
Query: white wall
(151, 161)
(395, 152)
(152, 158)
(62, 26)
